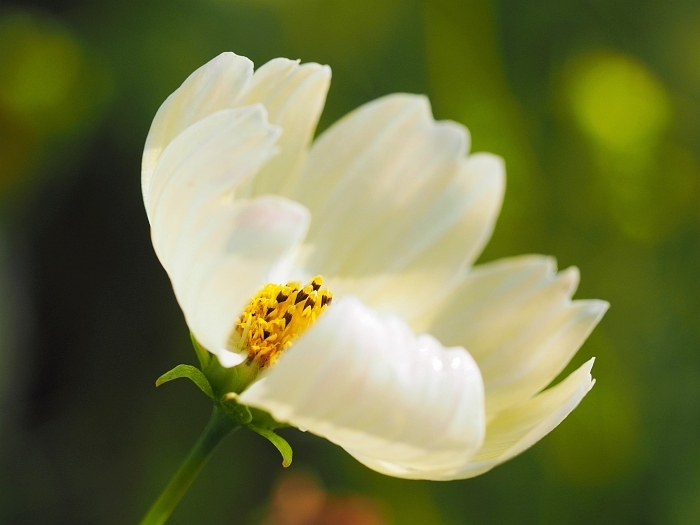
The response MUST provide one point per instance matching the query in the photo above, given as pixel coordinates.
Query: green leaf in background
(192, 373)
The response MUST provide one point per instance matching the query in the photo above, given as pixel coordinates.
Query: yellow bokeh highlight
(617, 101)
(47, 78)
(51, 91)
(648, 181)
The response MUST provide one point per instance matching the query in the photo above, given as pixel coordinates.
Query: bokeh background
(595, 105)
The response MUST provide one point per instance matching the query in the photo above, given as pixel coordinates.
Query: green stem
(219, 426)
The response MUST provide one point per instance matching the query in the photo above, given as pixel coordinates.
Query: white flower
(423, 367)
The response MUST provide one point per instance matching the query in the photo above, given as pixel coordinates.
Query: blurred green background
(594, 105)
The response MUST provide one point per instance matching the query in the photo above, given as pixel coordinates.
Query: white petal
(368, 384)
(518, 428)
(398, 207)
(450, 238)
(203, 166)
(511, 432)
(218, 251)
(294, 96)
(240, 248)
(517, 319)
(212, 87)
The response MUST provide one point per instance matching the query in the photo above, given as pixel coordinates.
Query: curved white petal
(201, 167)
(212, 87)
(398, 206)
(515, 430)
(368, 384)
(459, 225)
(517, 319)
(218, 251)
(242, 246)
(294, 96)
(511, 432)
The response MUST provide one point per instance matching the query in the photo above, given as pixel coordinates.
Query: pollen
(276, 316)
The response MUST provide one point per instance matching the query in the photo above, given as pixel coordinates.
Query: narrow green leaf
(192, 373)
(278, 441)
(233, 409)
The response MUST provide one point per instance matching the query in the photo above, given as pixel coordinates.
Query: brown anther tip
(276, 316)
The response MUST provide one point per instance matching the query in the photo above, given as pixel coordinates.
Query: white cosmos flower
(423, 367)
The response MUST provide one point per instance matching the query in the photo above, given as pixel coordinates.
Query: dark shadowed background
(595, 106)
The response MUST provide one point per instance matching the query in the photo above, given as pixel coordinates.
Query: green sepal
(224, 384)
(233, 409)
(278, 441)
(203, 356)
(264, 419)
(192, 373)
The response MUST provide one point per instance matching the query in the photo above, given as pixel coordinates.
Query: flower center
(276, 316)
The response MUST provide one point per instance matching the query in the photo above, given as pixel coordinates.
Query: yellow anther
(276, 316)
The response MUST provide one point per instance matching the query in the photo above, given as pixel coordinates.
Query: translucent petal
(517, 319)
(202, 166)
(219, 251)
(518, 428)
(212, 87)
(511, 432)
(398, 207)
(294, 96)
(242, 246)
(367, 383)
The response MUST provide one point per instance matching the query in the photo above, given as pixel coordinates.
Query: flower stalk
(218, 428)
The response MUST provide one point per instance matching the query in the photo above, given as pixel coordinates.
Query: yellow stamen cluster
(276, 316)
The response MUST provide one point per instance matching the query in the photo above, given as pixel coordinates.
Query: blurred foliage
(596, 108)
(50, 89)
(649, 181)
(468, 84)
